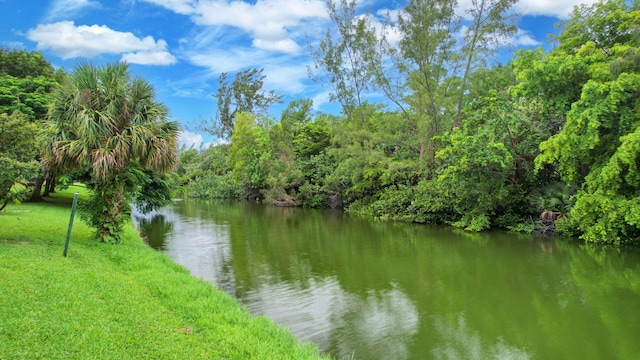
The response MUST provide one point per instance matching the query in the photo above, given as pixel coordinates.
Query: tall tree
(428, 56)
(284, 175)
(488, 26)
(346, 60)
(110, 122)
(244, 94)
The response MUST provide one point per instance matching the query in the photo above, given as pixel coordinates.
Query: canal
(383, 290)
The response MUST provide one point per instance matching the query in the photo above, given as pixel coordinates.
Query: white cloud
(555, 8)
(13, 45)
(270, 23)
(321, 99)
(67, 41)
(152, 57)
(236, 35)
(286, 78)
(521, 39)
(67, 9)
(524, 38)
(284, 74)
(228, 59)
(184, 7)
(558, 8)
(187, 139)
(393, 14)
(284, 45)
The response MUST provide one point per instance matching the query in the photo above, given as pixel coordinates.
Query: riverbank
(115, 301)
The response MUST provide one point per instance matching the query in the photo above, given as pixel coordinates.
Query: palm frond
(104, 118)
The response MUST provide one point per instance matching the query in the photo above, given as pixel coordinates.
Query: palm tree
(109, 122)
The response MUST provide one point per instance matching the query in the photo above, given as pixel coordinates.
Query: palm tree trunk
(36, 195)
(50, 185)
(110, 230)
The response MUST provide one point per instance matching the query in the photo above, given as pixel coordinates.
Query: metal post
(73, 212)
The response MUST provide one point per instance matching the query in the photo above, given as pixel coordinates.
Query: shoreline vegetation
(439, 134)
(122, 301)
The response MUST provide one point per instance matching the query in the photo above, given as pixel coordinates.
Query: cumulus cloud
(524, 38)
(284, 45)
(555, 8)
(191, 140)
(66, 9)
(188, 140)
(234, 35)
(66, 40)
(161, 57)
(270, 23)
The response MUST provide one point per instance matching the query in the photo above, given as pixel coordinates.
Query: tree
(475, 170)
(245, 94)
(549, 84)
(347, 61)
(26, 83)
(427, 49)
(605, 24)
(250, 155)
(18, 156)
(487, 27)
(284, 176)
(109, 122)
(29, 96)
(311, 143)
(23, 64)
(598, 147)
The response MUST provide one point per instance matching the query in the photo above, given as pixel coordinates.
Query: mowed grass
(122, 301)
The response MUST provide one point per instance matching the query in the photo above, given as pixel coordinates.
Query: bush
(213, 186)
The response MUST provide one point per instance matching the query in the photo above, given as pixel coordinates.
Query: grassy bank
(115, 301)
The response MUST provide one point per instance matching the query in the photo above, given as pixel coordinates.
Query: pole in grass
(73, 212)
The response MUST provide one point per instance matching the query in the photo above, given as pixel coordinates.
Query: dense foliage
(26, 83)
(550, 138)
(17, 157)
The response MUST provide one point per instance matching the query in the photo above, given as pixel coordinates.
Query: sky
(182, 46)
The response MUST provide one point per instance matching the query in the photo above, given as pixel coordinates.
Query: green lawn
(115, 301)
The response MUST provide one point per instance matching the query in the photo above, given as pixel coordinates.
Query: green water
(381, 290)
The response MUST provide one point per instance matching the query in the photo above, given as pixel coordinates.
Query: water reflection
(379, 325)
(461, 342)
(153, 227)
(380, 290)
(196, 243)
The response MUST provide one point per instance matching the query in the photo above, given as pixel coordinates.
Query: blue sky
(182, 46)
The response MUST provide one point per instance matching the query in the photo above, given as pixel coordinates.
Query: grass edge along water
(122, 301)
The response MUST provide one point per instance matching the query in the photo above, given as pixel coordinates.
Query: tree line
(545, 142)
(430, 131)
